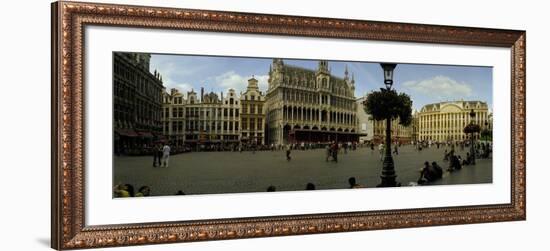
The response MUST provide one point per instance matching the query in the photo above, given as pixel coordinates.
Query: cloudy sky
(424, 83)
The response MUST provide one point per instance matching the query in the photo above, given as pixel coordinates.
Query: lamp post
(388, 169)
(472, 148)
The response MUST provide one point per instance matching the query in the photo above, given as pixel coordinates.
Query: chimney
(202, 93)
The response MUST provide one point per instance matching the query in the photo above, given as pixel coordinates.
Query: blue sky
(424, 83)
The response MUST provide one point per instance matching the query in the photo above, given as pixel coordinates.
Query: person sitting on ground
(425, 174)
(437, 170)
(180, 192)
(310, 186)
(124, 190)
(271, 189)
(120, 191)
(454, 163)
(143, 191)
(353, 183)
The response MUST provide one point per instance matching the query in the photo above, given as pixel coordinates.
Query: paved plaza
(234, 172)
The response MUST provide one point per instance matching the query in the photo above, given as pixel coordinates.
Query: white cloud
(184, 87)
(441, 87)
(235, 81)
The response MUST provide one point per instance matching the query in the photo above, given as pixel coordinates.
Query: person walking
(288, 152)
(165, 155)
(335, 151)
(157, 155)
(395, 151)
(381, 151)
(328, 152)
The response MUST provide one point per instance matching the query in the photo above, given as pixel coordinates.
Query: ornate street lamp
(472, 148)
(388, 168)
(388, 74)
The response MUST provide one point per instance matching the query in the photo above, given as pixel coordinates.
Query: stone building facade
(137, 102)
(399, 133)
(205, 120)
(445, 121)
(366, 123)
(305, 105)
(253, 114)
(414, 125)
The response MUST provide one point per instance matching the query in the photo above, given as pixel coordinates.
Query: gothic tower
(323, 76)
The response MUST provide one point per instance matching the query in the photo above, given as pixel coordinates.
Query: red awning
(126, 132)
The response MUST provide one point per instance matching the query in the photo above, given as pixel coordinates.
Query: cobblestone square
(239, 172)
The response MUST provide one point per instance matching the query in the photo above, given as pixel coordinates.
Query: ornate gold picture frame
(69, 20)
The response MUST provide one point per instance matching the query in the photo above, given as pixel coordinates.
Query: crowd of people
(127, 190)
(433, 172)
(430, 172)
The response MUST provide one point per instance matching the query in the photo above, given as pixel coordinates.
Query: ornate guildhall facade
(137, 102)
(252, 114)
(305, 105)
(445, 121)
(201, 120)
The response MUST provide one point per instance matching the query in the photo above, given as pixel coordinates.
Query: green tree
(486, 134)
(386, 104)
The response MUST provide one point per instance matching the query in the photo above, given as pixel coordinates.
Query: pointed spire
(323, 66)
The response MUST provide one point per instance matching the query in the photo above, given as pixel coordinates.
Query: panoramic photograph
(195, 124)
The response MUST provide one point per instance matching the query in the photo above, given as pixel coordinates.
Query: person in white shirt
(165, 155)
(381, 149)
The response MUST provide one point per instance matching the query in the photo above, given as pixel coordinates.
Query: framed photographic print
(175, 125)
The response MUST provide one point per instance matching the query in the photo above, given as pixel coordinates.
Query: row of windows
(313, 98)
(252, 124)
(192, 100)
(254, 109)
(294, 113)
(180, 126)
(212, 113)
(142, 84)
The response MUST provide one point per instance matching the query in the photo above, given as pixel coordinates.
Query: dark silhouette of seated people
(353, 183)
(425, 174)
(430, 173)
(454, 163)
(271, 189)
(438, 171)
(143, 191)
(310, 186)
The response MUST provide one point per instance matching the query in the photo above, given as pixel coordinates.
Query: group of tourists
(430, 173)
(332, 151)
(382, 150)
(161, 155)
(423, 144)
